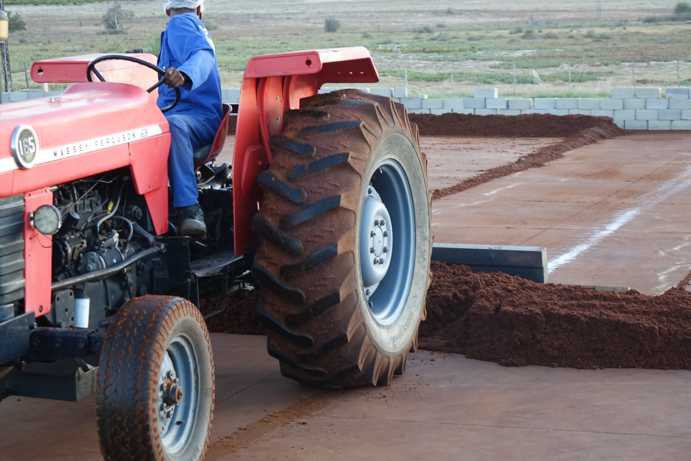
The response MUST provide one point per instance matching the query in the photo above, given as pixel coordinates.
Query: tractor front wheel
(156, 382)
(343, 265)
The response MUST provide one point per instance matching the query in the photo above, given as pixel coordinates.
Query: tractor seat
(207, 153)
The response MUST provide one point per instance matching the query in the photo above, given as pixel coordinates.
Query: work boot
(190, 221)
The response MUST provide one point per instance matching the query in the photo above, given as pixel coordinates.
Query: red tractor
(325, 211)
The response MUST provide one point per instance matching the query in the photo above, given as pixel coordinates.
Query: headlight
(47, 219)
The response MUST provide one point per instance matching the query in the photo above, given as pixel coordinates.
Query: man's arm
(189, 46)
(197, 68)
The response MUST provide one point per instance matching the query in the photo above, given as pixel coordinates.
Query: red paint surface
(274, 84)
(85, 111)
(73, 70)
(37, 257)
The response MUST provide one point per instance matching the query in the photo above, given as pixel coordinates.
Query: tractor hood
(49, 141)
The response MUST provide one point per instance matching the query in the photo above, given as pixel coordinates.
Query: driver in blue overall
(189, 59)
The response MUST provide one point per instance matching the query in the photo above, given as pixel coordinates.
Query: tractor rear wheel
(156, 382)
(344, 221)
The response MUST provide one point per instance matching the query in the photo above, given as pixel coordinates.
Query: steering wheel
(91, 71)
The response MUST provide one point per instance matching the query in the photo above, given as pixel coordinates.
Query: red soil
(501, 126)
(515, 322)
(578, 130)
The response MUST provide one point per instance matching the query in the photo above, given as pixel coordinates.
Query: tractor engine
(103, 224)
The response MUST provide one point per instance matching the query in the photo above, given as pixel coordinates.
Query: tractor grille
(11, 249)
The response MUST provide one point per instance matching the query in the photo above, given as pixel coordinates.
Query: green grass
(51, 2)
(570, 46)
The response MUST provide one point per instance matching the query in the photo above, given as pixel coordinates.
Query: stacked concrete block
(231, 95)
(646, 114)
(669, 114)
(400, 92)
(589, 103)
(381, 91)
(429, 105)
(656, 103)
(454, 105)
(566, 103)
(485, 111)
(496, 103)
(624, 114)
(647, 93)
(679, 103)
(635, 124)
(509, 112)
(520, 104)
(659, 125)
(623, 93)
(475, 103)
(486, 93)
(678, 93)
(634, 104)
(612, 104)
(681, 125)
(544, 103)
(686, 114)
(411, 104)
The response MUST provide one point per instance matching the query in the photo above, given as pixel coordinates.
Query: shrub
(16, 22)
(528, 34)
(424, 30)
(682, 9)
(331, 25)
(115, 16)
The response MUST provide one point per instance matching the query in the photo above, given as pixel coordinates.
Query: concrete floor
(446, 407)
(616, 213)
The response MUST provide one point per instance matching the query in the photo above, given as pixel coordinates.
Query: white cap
(192, 4)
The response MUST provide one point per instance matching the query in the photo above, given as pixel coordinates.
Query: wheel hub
(169, 393)
(376, 241)
(177, 394)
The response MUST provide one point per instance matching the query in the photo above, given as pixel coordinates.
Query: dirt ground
(508, 320)
(446, 407)
(452, 407)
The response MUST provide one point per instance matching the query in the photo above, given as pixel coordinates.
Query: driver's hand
(174, 78)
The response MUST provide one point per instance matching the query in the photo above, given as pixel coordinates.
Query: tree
(682, 9)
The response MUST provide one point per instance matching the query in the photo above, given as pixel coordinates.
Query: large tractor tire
(156, 382)
(344, 222)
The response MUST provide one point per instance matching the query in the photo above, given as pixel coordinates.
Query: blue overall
(186, 46)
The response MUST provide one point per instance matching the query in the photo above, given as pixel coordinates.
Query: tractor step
(217, 264)
(68, 380)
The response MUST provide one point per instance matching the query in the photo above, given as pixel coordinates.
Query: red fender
(272, 85)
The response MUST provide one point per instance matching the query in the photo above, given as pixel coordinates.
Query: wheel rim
(387, 241)
(178, 394)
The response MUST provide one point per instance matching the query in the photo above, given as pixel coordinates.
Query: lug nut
(371, 250)
(385, 250)
(372, 233)
(386, 233)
